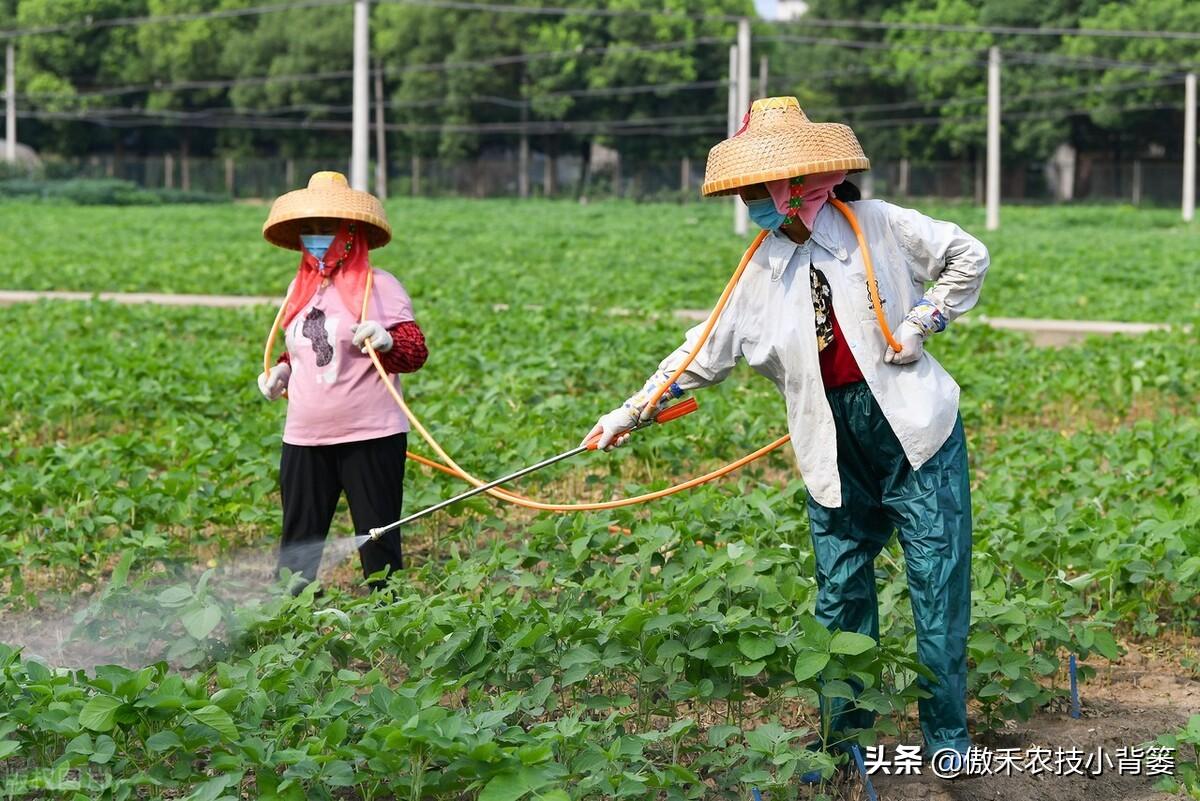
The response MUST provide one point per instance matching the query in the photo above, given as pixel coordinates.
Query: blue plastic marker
(757, 795)
(1074, 689)
(862, 771)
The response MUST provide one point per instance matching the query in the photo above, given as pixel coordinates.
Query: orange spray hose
(872, 284)
(452, 468)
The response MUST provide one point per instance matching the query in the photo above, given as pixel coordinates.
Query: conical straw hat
(327, 195)
(778, 141)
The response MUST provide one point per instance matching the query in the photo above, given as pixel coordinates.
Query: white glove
(272, 384)
(372, 332)
(613, 428)
(912, 343)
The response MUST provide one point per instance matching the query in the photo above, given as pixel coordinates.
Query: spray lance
(673, 412)
(449, 466)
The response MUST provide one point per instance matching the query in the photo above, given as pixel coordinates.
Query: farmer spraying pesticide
(832, 308)
(343, 432)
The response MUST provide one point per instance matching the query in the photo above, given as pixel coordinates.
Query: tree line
(459, 81)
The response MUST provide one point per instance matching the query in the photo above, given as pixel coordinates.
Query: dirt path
(1043, 332)
(1126, 705)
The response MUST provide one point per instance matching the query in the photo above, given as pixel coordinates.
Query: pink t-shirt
(335, 394)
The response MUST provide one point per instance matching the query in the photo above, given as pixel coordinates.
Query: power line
(559, 11)
(648, 126)
(1020, 56)
(436, 66)
(217, 116)
(88, 23)
(1019, 115)
(945, 102)
(1001, 30)
(506, 102)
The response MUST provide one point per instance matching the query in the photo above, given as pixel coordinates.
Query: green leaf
(850, 643)
(1107, 645)
(755, 647)
(105, 748)
(8, 748)
(809, 664)
(120, 573)
(504, 787)
(100, 713)
(212, 715)
(201, 622)
(80, 745)
(746, 669)
(534, 753)
(214, 787)
(717, 735)
(174, 596)
(163, 740)
(837, 689)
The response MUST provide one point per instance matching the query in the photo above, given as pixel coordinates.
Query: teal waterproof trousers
(931, 509)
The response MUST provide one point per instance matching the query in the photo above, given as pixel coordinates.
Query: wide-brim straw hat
(779, 141)
(327, 195)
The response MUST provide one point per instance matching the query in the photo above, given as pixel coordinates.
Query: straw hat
(327, 195)
(777, 142)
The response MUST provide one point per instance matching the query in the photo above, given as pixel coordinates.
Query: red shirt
(838, 367)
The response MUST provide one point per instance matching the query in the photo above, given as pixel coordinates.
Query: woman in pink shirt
(344, 432)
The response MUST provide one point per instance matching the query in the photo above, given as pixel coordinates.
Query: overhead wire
(226, 83)
(88, 22)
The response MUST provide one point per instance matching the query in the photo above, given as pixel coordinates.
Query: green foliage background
(914, 92)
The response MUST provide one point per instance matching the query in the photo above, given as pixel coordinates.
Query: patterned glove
(922, 320)
(613, 427)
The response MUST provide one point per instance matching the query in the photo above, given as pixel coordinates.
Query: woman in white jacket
(876, 432)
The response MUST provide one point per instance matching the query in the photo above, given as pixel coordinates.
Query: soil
(1127, 704)
(1153, 689)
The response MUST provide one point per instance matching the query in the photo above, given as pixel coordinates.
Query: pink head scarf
(803, 196)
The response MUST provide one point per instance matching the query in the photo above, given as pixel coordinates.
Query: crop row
(548, 657)
(1099, 262)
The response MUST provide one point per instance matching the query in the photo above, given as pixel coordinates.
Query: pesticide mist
(183, 615)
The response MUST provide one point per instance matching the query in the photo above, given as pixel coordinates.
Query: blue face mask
(764, 213)
(316, 244)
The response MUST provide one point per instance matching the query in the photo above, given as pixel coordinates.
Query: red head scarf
(345, 264)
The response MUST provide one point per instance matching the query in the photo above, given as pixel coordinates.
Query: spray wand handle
(673, 412)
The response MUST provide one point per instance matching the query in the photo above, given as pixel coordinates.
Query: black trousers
(313, 477)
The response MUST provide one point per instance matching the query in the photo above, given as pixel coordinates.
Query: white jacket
(769, 323)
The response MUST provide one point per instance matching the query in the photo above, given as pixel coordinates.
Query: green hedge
(99, 192)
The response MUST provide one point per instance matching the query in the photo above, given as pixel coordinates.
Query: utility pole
(10, 103)
(742, 220)
(762, 76)
(732, 126)
(993, 140)
(523, 151)
(1189, 148)
(381, 171)
(359, 120)
(741, 223)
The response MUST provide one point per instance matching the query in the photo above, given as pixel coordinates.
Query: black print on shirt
(822, 299)
(314, 331)
(870, 302)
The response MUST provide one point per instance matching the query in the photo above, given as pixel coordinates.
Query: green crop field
(1100, 262)
(664, 651)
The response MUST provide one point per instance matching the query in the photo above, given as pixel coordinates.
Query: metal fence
(1143, 182)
